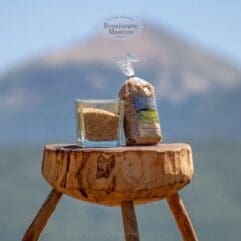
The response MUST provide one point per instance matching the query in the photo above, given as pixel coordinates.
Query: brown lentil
(100, 125)
(132, 88)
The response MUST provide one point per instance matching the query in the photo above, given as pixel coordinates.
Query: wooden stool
(122, 176)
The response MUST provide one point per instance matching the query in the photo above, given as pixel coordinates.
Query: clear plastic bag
(141, 119)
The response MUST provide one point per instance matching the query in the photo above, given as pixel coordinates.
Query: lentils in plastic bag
(141, 119)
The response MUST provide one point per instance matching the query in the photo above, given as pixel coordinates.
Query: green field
(213, 200)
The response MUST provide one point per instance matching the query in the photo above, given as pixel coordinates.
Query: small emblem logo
(121, 27)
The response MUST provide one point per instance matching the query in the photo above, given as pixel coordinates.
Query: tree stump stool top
(122, 176)
(110, 176)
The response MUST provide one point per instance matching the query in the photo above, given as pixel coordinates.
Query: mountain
(198, 92)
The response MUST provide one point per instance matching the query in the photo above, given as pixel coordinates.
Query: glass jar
(99, 123)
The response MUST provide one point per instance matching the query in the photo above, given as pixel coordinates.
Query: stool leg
(40, 220)
(181, 216)
(129, 221)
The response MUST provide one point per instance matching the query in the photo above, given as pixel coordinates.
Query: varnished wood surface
(182, 218)
(40, 220)
(162, 147)
(129, 221)
(109, 176)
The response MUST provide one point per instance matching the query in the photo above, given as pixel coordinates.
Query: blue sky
(29, 28)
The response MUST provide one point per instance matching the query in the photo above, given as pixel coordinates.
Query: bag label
(149, 123)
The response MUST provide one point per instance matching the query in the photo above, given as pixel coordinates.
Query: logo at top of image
(121, 27)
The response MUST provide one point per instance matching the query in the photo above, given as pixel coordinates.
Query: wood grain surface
(39, 222)
(129, 221)
(182, 218)
(109, 176)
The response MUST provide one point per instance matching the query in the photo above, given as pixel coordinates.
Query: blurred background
(51, 53)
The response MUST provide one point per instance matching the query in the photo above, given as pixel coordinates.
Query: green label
(147, 117)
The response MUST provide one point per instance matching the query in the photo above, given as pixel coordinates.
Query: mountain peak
(184, 69)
